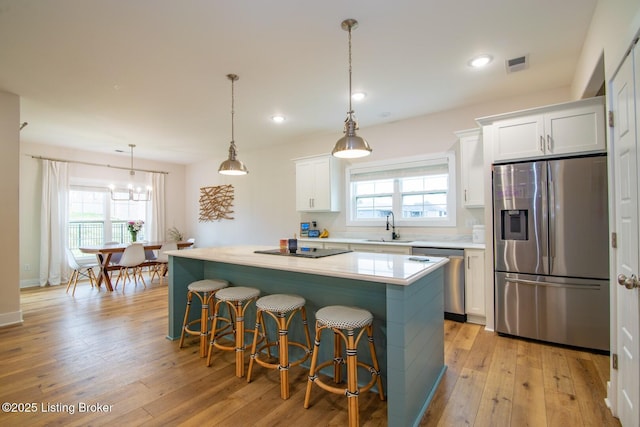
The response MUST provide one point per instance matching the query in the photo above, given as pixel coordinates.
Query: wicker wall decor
(216, 203)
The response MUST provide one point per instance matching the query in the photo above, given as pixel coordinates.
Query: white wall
(264, 202)
(9, 218)
(614, 25)
(31, 190)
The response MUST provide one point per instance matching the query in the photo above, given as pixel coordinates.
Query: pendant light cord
(350, 108)
(233, 79)
(131, 171)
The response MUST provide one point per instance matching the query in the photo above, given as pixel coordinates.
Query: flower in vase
(135, 226)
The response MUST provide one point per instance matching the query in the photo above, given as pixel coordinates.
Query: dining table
(104, 253)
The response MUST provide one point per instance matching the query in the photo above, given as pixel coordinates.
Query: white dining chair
(115, 257)
(78, 269)
(162, 260)
(132, 259)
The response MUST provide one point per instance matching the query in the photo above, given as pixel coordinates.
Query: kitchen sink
(388, 241)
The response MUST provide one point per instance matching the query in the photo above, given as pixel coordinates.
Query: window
(419, 192)
(95, 219)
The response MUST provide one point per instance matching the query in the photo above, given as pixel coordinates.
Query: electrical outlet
(27, 267)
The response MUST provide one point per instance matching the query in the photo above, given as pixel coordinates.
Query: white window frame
(447, 158)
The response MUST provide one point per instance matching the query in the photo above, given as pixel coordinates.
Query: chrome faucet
(394, 235)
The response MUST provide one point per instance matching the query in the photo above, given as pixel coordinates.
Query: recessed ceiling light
(278, 118)
(358, 96)
(480, 61)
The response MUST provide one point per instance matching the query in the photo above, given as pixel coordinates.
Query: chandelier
(134, 193)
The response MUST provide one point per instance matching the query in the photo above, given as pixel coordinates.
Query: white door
(625, 146)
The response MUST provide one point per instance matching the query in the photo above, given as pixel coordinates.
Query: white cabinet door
(474, 286)
(317, 184)
(334, 245)
(382, 249)
(305, 184)
(471, 170)
(518, 138)
(572, 128)
(579, 129)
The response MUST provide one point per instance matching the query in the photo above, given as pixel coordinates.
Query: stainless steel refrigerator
(551, 251)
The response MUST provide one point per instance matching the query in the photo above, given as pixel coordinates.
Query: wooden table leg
(104, 260)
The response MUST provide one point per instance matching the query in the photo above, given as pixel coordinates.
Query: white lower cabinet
(474, 286)
(383, 249)
(333, 245)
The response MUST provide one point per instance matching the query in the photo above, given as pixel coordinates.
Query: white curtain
(53, 222)
(157, 231)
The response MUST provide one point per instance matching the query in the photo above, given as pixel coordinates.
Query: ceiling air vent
(517, 64)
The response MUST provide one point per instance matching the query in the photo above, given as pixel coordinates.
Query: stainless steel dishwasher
(453, 280)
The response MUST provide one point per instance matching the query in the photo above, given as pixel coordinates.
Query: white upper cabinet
(317, 184)
(471, 168)
(558, 130)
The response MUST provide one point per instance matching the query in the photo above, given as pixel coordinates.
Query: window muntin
(95, 219)
(419, 192)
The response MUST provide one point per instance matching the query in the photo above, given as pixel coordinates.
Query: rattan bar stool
(205, 290)
(238, 299)
(282, 308)
(344, 321)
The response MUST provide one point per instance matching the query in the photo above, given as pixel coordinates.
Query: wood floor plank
(481, 354)
(530, 354)
(562, 409)
(111, 348)
(528, 397)
(588, 385)
(466, 336)
(557, 376)
(498, 394)
(465, 399)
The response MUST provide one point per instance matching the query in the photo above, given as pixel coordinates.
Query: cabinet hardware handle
(465, 194)
(542, 143)
(549, 142)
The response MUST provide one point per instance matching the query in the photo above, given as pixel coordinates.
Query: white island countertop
(373, 267)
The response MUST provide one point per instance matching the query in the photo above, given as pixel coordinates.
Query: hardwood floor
(110, 349)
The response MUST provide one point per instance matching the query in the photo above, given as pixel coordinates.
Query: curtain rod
(96, 164)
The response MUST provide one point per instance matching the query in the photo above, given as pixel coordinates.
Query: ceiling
(99, 75)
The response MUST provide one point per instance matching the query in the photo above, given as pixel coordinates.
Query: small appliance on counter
(309, 229)
(304, 229)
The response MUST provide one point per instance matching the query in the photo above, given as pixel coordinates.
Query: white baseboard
(478, 320)
(29, 283)
(12, 318)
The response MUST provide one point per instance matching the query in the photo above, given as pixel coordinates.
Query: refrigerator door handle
(550, 285)
(551, 195)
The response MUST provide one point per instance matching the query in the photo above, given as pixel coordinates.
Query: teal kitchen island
(404, 295)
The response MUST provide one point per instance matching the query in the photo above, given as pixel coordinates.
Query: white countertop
(372, 267)
(447, 244)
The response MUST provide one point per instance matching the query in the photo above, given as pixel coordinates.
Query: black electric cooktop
(306, 252)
